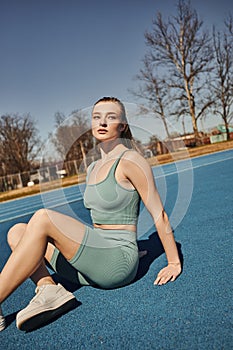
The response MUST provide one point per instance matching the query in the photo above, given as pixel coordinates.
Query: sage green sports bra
(109, 202)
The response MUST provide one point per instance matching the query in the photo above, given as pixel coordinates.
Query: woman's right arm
(139, 172)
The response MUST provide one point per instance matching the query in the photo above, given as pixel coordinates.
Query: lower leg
(41, 276)
(45, 226)
(15, 272)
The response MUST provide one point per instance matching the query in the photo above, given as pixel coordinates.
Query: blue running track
(192, 313)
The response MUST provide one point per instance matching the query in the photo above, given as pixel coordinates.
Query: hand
(168, 273)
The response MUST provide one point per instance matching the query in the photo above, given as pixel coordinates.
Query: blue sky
(61, 55)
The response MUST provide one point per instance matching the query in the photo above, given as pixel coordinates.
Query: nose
(103, 123)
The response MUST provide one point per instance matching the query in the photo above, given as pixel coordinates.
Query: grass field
(160, 159)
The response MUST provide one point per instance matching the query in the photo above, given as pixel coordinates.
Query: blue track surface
(194, 312)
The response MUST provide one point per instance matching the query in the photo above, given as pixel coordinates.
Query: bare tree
(72, 137)
(19, 143)
(229, 24)
(154, 91)
(183, 51)
(223, 80)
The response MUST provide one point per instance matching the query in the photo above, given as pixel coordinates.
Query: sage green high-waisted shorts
(106, 259)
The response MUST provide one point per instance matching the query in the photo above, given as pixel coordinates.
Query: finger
(161, 275)
(157, 280)
(162, 279)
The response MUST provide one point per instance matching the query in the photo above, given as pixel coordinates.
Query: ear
(122, 127)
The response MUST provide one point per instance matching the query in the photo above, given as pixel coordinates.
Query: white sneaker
(2, 320)
(49, 302)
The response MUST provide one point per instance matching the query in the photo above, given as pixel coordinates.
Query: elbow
(162, 216)
(162, 223)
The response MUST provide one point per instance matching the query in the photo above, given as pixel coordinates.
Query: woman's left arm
(139, 172)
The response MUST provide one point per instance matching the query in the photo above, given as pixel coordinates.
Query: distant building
(219, 134)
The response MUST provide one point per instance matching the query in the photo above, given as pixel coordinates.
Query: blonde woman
(104, 255)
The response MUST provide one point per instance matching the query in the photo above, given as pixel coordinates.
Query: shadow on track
(154, 249)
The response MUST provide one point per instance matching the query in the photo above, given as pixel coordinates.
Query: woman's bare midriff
(116, 227)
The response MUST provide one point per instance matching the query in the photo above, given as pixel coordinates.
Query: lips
(102, 131)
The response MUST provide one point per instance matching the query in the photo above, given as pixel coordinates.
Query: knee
(41, 214)
(39, 220)
(15, 234)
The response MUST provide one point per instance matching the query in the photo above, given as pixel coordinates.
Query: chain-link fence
(10, 182)
(75, 167)
(43, 174)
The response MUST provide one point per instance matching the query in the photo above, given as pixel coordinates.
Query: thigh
(64, 232)
(15, 234)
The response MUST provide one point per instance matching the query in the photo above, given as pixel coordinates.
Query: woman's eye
(95, 117)
(111, 117)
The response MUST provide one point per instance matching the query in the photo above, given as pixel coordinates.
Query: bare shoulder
(138, 171)
(134, 159)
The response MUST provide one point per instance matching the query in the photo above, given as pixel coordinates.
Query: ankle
(44, 281)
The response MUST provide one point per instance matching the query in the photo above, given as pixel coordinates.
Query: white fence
(45, 174)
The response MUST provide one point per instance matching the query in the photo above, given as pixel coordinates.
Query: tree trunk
(227, 129)
(84, 155)
(195, 129)
(165, 126)
(191, 104)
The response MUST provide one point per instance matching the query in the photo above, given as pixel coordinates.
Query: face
(106, 121)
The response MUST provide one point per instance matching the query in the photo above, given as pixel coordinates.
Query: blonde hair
(126, 134)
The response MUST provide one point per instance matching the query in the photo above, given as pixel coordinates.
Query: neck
(110, 148)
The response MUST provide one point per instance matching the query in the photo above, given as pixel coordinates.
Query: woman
(104, 255)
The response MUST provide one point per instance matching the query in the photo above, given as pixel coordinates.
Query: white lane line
(33, 211)
(156, 177)
(40, 204)
(193, 167)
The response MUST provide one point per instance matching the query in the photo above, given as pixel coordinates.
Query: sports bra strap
(111, 171)
(90, 168)
(115, 164)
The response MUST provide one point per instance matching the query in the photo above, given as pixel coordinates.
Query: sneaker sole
(2, 323)
(44, 317)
